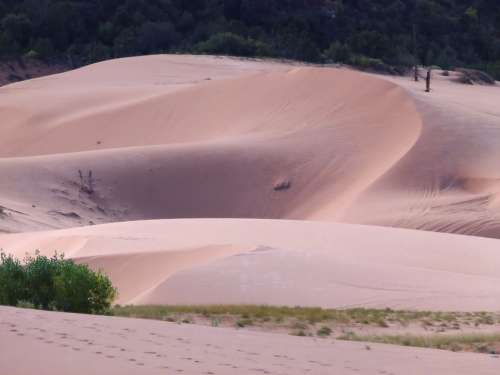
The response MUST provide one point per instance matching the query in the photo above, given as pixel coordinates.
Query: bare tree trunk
(428, 81)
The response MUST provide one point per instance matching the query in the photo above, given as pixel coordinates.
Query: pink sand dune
(283, 184)
(291, 263)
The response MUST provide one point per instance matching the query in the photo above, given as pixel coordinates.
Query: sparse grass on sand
(473, 342)
(312, 315)
(345, 324)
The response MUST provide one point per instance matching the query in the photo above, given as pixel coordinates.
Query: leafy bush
(79, 289)
(12, 281)
(40, 272)
(338, 53)
(234, 45)
(324, 331)
(371, 64)
(54, 284)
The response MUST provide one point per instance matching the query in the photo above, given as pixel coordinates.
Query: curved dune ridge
(185, 137)
(219, 261)
(215, 148)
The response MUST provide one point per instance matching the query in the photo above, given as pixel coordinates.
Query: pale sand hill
(163, 141)
(202, 137)
(450, 180)
(282, 263)
(220, 146)
(88, 345)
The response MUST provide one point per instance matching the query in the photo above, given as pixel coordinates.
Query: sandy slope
(171, 137)
(213, 148)
(89, 345)
(282, 262)
(188, 137)
(449, 181)
(204, 137)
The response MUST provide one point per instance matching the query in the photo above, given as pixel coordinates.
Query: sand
(89, 345)
(295, 263)
(219, 180)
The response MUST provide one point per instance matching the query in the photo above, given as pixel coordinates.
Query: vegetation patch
(389, 325)
(54, 284)
(476, 342)
(372, 34)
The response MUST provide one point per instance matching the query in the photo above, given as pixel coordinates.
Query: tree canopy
(448, 32)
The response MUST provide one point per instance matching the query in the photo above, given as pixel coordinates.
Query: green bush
(233, 45)
(79, 289)
(338, 53)
(54, 284)
(371, 64)
(12, 281)
(324, 331)
(40, 272)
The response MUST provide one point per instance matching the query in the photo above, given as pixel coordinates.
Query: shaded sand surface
(75, 344)
(257, 140)
(282, 263)
(449, 180)
(198, 136)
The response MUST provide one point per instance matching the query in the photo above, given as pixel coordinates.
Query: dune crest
(280, 262)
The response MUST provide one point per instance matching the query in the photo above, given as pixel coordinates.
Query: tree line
(378, 33)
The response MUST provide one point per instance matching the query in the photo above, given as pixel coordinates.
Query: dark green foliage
(12, 281)
(324, 331)
(40, 273)
(232, 44)
(54, 284)
(449, 33)
(79, 289)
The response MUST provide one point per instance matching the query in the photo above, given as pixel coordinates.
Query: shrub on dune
(12, 281)
(54, 284)
(40, 272)
(79, 289)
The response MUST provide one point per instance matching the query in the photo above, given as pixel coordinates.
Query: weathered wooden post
(428, 81)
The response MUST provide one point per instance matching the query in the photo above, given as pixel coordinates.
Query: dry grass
(305, 321)
(311, 315)
(476, 342)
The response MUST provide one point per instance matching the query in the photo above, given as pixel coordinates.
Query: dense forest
(377, 33)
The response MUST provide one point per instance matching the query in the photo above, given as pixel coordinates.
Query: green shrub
(338, 53)
(233, 45)
(40, 273)
(324, 331)
(54, 283)
(243, 323)
(371, 64)
(79, 289)
(12, 281)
